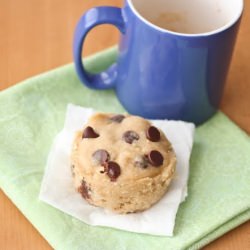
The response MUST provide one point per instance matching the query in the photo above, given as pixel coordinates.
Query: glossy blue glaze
(94, 17)
(160, 74)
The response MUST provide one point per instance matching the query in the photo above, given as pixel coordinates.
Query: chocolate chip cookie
(122, 162)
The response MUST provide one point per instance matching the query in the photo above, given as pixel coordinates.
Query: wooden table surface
(36, 36)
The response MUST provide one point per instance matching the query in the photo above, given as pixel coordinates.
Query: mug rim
(203, 34)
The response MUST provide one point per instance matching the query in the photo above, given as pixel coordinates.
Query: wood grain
(36, 36)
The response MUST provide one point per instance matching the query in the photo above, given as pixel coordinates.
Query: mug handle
(92, 18)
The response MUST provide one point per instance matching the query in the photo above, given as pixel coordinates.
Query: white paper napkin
(58, 189)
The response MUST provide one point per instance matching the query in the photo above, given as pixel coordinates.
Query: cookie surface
(122, 163)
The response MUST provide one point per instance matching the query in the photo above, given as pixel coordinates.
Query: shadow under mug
(161, 73)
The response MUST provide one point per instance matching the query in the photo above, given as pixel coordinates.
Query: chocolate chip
(153, 134)
(155, 158)
(141, 162)
(130, 136)
(101, 156)
(113, 170)
(89, 133)
(117, 118)
(84, 190)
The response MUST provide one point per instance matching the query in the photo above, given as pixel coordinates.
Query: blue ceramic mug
(173, 55)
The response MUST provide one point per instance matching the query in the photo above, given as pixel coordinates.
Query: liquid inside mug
(173, 55)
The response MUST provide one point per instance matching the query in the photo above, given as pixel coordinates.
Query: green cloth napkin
(32, 113)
